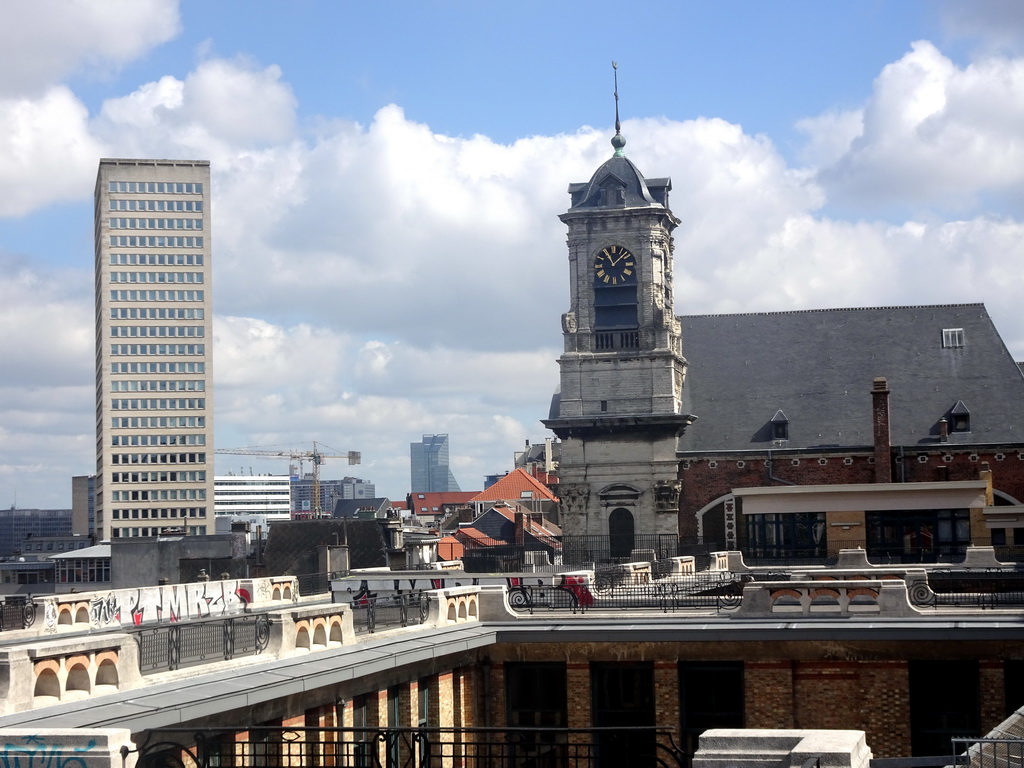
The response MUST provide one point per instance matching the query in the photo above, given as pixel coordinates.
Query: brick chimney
(520, 528)
(880, 424)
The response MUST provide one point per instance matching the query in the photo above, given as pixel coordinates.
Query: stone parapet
(100, 748)
(756, 748)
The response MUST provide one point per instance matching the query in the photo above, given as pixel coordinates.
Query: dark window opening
(785, 536)
(623, 695)
(710, 696)
(620, 533)
(925, 536)
(944, 703)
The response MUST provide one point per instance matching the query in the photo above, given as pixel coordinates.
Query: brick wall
(666, 694)
(711, 477)
(768, 694)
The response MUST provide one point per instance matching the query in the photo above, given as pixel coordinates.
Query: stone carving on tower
(619, 411)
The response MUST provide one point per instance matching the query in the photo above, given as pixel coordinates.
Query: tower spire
(618, 140)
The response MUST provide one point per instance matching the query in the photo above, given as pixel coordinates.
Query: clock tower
(619, 411)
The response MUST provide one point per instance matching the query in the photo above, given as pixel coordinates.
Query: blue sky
(375, 166)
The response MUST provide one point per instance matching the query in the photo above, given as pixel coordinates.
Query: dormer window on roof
(959, 418)
(780, 426)
(952, 338)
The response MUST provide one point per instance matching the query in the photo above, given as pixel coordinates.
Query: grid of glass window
(158, 513)
(156, 313)
(157, 422)
(158, 349)
(163, 494)
(179, 385)
(156, 259)
(158, 404)
(156, 296)
(143, 441)
(157, 331)
(117, 222)
(154, 241)
(185, 206)
(157, 367)
(77, 571)
(156, 187)
(193, 476)
(157, 458)
(156, 277)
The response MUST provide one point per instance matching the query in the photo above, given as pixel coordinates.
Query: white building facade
(154, 348)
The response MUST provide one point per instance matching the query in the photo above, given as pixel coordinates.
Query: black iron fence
(617, 591)
(271, 747)
(827, 553)
(584, 551)
(372, 613)
(989, 753)
(173, 646)
(17, 612)
(972, 589)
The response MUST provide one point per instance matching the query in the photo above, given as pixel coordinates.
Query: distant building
(429, 462)
(83, 504)
(252, 495)
(16, 525)
(154, 348)
(331, 492)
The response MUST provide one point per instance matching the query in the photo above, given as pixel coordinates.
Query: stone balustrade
(825, 597)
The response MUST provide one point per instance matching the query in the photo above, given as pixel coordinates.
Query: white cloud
(221, 109)
(46, 151)
(375, 283)
(44, 41)
(933, 134)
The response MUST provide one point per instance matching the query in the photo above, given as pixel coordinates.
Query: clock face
(614, 265)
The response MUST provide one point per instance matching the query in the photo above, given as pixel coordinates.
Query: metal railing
(372, 613)
(827, 553)
(169, 647)
(638, 591)
(972, 589)
(272, 747)
(17, 612)
(989, 752)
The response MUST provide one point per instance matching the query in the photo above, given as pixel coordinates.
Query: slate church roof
(817, 368)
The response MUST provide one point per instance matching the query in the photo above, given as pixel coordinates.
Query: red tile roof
(512, 486)
(425, 503)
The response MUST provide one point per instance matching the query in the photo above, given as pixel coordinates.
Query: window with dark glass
(944, 703)
(710, 696)
(623, 695)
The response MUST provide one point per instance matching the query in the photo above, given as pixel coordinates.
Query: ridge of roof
(838, 309)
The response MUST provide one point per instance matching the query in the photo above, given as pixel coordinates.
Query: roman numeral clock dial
(614, 265)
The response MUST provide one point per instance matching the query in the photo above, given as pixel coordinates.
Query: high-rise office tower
(154, 348)
(430, 470)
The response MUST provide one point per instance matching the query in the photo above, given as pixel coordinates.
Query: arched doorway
(621, 542)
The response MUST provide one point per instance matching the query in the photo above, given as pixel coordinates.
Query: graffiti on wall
(148, 605)
(36, 753)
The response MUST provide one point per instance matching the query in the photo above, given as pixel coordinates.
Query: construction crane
(316, 457)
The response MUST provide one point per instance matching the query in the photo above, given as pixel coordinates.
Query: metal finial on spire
(618, 140)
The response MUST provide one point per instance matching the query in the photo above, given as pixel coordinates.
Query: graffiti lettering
(105, 610)
(36, 753)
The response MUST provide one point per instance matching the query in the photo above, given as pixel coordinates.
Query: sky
(387, 178)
